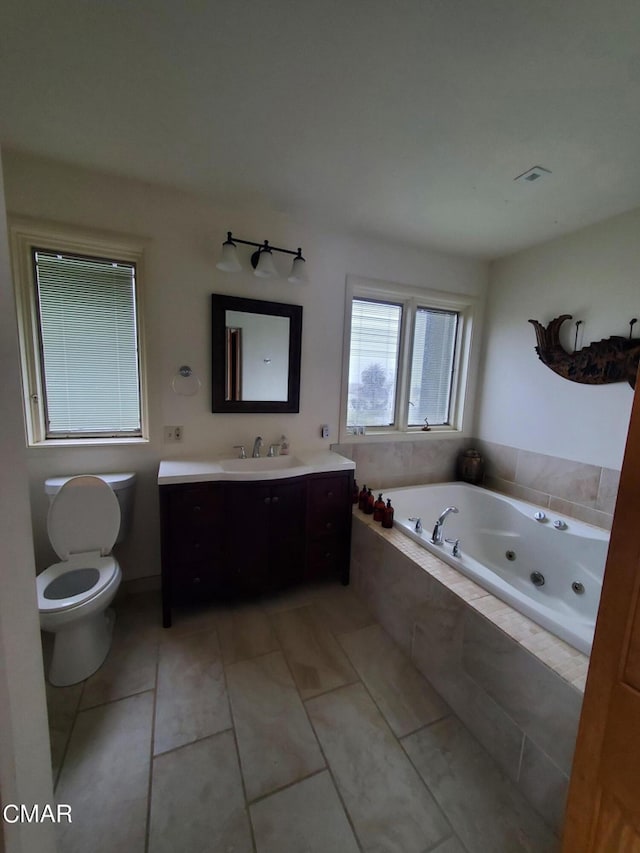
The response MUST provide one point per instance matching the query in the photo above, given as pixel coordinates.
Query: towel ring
(185, 382)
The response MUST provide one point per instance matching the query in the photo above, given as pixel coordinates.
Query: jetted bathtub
(550, 568)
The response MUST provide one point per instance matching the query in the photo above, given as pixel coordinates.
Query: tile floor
(289, 725)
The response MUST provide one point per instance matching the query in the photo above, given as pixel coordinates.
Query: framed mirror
(255, 355)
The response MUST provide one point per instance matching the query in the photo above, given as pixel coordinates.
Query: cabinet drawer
(195, 545)
(327, 524)
(328, 492)
(327, 558)
(191, 580)
(198, 580)
(195, 506)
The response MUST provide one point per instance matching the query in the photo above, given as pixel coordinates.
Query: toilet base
(80, 648)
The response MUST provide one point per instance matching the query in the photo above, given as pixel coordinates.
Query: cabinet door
(287, 533)
(247, 516)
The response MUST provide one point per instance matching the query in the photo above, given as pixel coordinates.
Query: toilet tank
(122, 485)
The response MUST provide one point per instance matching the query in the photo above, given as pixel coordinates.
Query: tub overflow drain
(510, 555)
(537, 578)
(577, 587)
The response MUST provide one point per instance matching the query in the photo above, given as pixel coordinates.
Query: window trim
(467, 307)
(25, 236)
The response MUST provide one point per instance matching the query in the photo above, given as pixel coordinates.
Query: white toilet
(87, 516)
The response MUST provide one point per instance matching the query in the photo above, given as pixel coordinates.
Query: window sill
(395, 435)
(57, 443)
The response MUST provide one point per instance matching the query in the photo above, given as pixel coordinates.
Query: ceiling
(403, 119)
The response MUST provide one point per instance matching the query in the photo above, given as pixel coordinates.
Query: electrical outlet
(324, 430)
(173, 433)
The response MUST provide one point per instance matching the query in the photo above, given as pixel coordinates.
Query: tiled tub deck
(514, 685)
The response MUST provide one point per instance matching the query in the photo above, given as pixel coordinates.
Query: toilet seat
(107, 568)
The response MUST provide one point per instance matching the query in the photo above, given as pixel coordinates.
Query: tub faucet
(257, 444)
(437, 537)
(418, 527)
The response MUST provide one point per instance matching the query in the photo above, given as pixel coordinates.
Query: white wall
(25, 763)
(594, 275)
(184, 234)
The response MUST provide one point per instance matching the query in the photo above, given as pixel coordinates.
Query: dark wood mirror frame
(220, 304)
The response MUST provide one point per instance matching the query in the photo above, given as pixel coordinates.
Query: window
(80, 337)
(373, 362)
(432, 363)
(406, 353)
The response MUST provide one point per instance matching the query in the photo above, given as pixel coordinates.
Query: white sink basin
(264, 463)
(264, 468)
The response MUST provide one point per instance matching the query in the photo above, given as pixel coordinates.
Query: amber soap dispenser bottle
(369, 503)
(362, 498)
(378, 508)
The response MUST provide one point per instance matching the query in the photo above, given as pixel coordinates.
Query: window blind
(434, 343)
(89, 345)
(373, 362)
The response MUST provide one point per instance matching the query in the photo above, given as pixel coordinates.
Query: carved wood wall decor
(613, 359)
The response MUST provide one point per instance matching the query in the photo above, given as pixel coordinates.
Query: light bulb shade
(229, 258)
(298, 274)
(265, 268)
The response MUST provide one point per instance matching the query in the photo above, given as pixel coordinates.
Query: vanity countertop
(204, 469)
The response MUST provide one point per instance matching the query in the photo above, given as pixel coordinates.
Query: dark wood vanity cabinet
(236, 539)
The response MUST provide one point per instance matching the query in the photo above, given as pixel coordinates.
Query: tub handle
(418, 527)
(455, 551)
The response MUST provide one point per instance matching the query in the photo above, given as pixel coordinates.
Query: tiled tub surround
(404, 463)
(280, 725)
(514, 685)
(585, 492)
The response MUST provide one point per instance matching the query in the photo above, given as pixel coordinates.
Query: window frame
(25, 238)
(411, 298)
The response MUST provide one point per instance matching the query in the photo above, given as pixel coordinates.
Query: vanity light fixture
(261, 260)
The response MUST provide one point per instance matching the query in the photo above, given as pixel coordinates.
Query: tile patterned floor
(290, 725)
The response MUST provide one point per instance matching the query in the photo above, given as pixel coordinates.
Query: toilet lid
(84, 516)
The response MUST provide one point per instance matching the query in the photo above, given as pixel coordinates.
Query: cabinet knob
(196, 580)
(329, 494)
(197, 508)
(275, 499)
(329, 525)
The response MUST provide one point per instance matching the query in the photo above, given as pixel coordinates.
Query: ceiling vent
(536, 173)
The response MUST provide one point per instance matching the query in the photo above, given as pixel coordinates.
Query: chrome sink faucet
(437, 537)
(257, 444)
